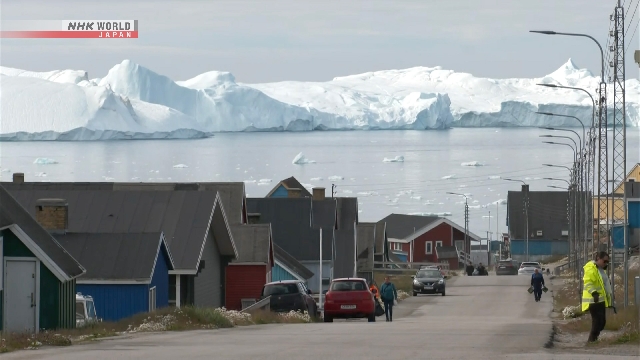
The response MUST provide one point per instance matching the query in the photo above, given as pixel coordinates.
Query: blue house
(287, 267)
(289, 187)
(127, 273)
(632, 190)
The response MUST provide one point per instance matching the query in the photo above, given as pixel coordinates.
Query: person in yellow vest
(596, 294)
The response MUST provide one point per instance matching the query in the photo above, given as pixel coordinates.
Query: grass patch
(166, 319)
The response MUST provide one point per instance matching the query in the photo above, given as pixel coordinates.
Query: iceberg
(180, 166)
(394, 159)
(133, 102)
(472, 163)
(300, 159)
(44, 161)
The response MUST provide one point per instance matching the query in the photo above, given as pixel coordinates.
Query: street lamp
(557, 187)
(525, 199)
(466, 227)
(547, 32)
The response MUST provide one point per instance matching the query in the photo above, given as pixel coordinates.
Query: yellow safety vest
(593, 282)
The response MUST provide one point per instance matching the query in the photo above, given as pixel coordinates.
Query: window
(348, 285)
(396, 246)
(428, 247)
(281, 289)
(438, 244)
(152, 299)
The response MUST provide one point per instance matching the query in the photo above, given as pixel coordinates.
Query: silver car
(529, 267)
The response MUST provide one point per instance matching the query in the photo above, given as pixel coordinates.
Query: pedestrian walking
(389, 295)
(469, 269)
(537, 282)
(596, 296)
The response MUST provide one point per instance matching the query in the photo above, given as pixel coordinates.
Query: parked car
(528, 267)
(290, 295)
(429, 281)
(506, 267)
(85, 311)
(349, 298)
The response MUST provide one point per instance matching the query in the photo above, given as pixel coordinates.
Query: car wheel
(415, 293)
(443, 292)
(372, 317)
(328, 318)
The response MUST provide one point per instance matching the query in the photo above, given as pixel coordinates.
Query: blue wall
(116, 302)
(161, 279)
(280, 192)
(278, 274)
(633, 214)
(540, 247)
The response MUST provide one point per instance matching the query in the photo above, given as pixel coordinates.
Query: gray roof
(253, 243)
(400, 226)
(366, 235)
(182, 215)
(344, 262)
(12, 213)
(290, 220)
(547, 212)
(116, 256)
(291, 183)
(289, 261)
(324, 213)
(447, 252)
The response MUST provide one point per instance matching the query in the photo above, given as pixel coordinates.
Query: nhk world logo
(79, 29)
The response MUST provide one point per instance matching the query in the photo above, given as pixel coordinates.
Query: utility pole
(525, 194)
(467, 242)
(497, 225)
(333, 192)
(489, 241)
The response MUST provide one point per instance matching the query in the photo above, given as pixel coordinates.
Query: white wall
(313, 283)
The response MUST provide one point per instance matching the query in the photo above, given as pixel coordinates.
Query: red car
(349, 298)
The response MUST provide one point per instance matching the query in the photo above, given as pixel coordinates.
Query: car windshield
(530, 264)
(348, 286)
(280, 289)
(91, 310)
(428, 274)
(79, 310)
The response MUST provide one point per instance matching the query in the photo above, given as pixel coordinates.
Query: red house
(415, 238)
(246, 275)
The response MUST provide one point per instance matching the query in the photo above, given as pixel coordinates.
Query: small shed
(37, 275)
(246, 275)
(127, 273)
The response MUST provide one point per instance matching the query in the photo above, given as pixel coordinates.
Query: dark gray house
(548, 223)
(34, 267)
(365, 248)
(192, 219)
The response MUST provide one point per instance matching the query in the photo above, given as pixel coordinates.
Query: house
(414, 238)
(191, 218)
(287, 267)
(632, 190)
(615, 200)
(37, 276)
(548, 224)
(247, 274)
(293, 231)
(289, 187)
(127, 273)
(366, 239)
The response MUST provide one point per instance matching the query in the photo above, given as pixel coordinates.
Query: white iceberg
(399, 158)
(180, 166)
(44, 161)
(316, 179)
(472, 163)
(495, 177)
(266, 181)
(300, 159)
(335, 178)
(133, 102)
(448, 177)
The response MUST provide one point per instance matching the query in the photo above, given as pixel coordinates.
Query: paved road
(480, 318)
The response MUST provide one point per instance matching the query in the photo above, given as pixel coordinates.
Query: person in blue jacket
(537, 282)
(388, 294)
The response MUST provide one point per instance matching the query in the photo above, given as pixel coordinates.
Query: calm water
(431, 168)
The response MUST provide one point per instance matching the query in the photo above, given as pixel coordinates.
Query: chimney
(18, 178)
(525, 188)
(295, 193)
(253, 218)
(318, 193)
(53, 215)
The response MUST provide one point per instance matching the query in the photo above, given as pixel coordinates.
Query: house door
(20, 297)
(460, 245)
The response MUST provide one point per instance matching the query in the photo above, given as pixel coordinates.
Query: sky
(317, 40)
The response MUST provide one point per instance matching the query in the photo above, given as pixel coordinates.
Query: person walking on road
(469, 269)
(389, 295)
(537, 282)
(596, 296)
